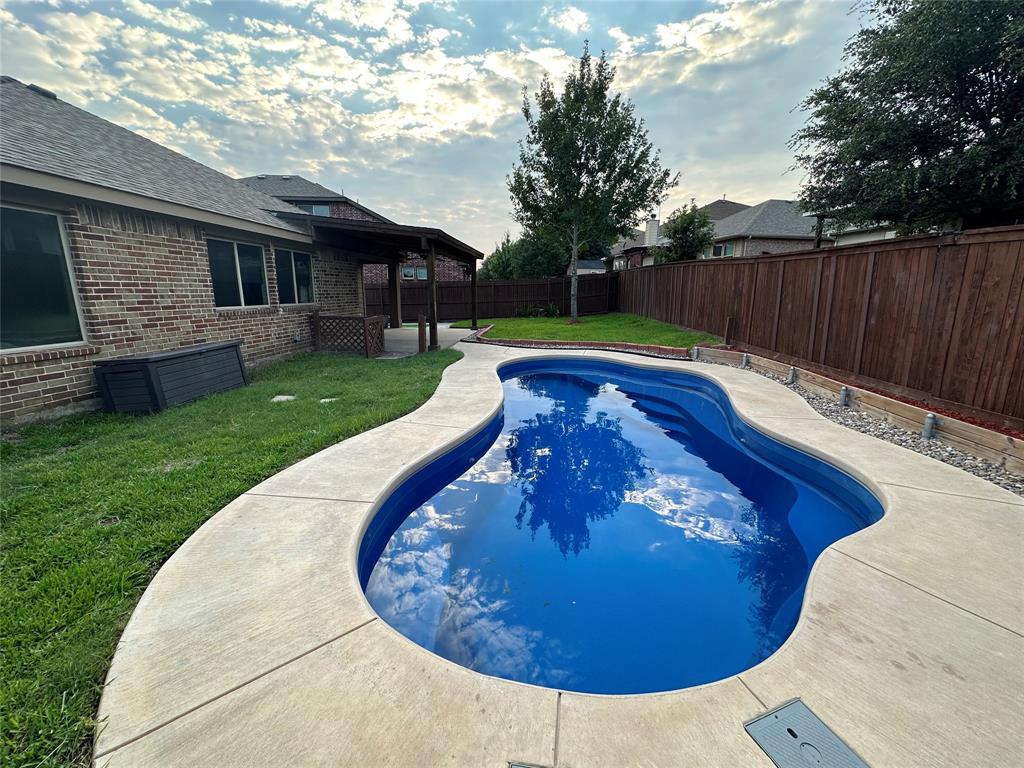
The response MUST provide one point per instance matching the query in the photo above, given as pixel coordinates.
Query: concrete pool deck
(254, 644)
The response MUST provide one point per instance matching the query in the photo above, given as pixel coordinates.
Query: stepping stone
(328, 399)
(282, 398)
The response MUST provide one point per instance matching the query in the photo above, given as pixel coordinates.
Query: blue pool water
(619, 530)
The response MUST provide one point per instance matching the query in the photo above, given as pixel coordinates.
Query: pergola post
(473, 326)
(395, 293)
(432, 298)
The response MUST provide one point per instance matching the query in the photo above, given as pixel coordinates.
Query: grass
(615, 326)
(93, 505)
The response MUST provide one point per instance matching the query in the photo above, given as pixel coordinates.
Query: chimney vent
(652, 232)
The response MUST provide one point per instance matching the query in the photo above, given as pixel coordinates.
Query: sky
(412, 107)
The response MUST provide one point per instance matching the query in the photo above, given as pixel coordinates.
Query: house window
(238, 274)
(294, 277)
(317, 209)
(409, 273)
(719, 250)
(38, 306)
(421, 273)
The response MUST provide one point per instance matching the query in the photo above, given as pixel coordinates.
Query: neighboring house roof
(297, 188)
(625, 243)
(44, 134)
(285, 186)
(587, 264)
(723, 208)
(772, 218)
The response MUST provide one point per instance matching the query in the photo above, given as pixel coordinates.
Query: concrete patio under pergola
(376, 242)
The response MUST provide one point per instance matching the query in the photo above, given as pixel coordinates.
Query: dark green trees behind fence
(925, 125)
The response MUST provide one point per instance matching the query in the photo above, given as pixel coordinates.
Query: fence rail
(933, 316)
(499, 298)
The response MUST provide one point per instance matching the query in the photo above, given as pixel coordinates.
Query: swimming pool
(614, 530)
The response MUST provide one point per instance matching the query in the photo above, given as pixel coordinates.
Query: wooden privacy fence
(499, 298)
(933, 316)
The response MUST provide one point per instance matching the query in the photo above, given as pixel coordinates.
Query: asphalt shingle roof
(720, 209)
(45, 134)
(772, 218)
(290, 187)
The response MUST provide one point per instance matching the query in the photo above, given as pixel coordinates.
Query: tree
(689, 231)
(586, 169)
(498, 266)
(925, 125)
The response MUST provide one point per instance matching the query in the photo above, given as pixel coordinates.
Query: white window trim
(72, 276)
(238, 273)
(295, 280)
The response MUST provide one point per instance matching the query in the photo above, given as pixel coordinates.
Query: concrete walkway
(404, 341)
(254, 644)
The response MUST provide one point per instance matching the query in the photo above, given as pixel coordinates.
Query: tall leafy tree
(586, 169)
(925, 125)
(499, 264)
(689, 231)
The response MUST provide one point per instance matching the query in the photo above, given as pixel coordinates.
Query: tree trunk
(573, 313)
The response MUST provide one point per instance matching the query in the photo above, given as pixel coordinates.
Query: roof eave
(455, 247)
(48, 182)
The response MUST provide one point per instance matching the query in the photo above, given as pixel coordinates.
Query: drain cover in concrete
(793, 737)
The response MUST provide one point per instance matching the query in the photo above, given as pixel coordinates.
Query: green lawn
(93, 505)
(615, 326)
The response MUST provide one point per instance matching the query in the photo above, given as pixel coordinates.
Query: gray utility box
(153, 382)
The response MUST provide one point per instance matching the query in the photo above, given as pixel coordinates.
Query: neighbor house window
(294, 277)
(317, 209)
(717, 251)
(38, 306)
(421, 273)
(408, 273)
(238, 274)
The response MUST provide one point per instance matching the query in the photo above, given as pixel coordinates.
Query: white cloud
(174, 18)
(626, 44)
(569, 19)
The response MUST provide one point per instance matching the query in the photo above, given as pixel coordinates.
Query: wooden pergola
(376, 242)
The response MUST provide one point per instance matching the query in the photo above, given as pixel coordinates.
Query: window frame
(238, 273)
(412, 272)
(72, 276)
(295, 280)
(304, 205)
(425, 272)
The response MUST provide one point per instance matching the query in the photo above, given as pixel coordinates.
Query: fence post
(421, 321)
(730, 331)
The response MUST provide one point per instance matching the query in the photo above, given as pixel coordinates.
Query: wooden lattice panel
(349, 333)
(339, 333)
(374, 335)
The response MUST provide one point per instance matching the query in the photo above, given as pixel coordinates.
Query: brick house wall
(447, 270)
(144, 285)
(756, 247)
(343, 210)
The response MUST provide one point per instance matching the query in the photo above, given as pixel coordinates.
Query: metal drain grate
(793, 737)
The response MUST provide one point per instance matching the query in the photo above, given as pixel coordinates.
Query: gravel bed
(880, 428)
